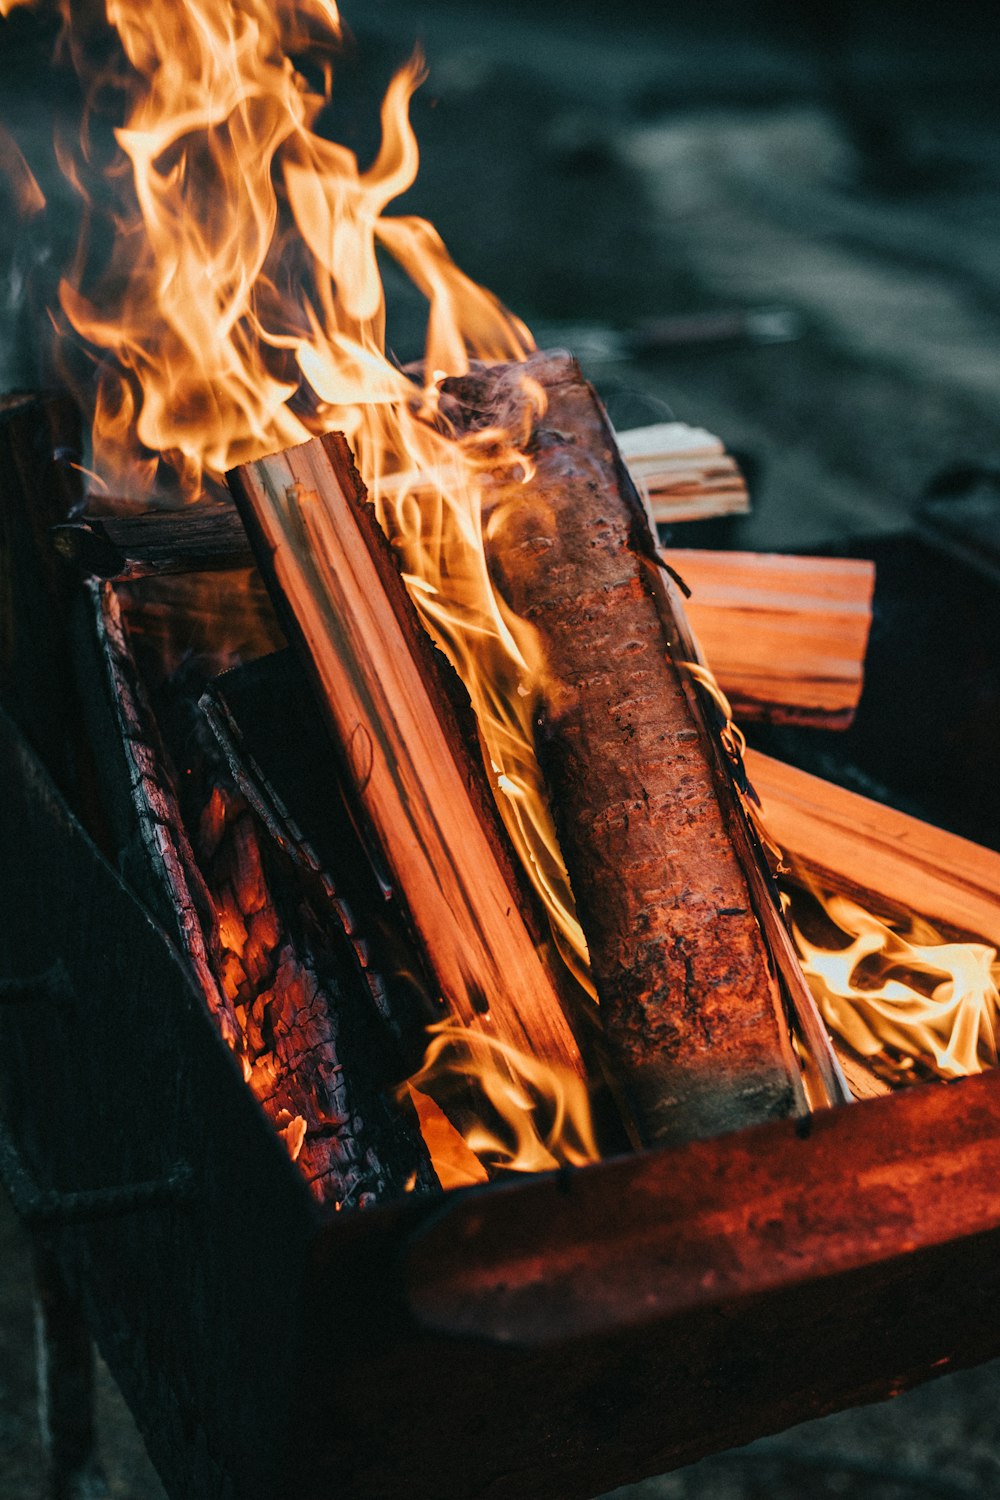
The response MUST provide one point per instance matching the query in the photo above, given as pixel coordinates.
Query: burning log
(868, 851)
(785, 636)
(691, 1007)
(203, 538)
(292, 1004)
(412, 765)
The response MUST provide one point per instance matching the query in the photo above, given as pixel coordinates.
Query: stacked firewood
(323, 951)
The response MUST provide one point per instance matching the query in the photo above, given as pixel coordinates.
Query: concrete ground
(600, 166)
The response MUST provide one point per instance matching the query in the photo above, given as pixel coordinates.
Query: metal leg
(65, 1387)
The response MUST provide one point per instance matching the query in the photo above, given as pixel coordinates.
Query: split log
(870, 852)
(646, 820)
(785, 636)
(412, 767)
(684, 472)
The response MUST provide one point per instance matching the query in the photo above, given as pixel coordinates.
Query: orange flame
(909, 994)
(242, 310)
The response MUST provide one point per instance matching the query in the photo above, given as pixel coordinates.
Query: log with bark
(648, 821)
(410, 757)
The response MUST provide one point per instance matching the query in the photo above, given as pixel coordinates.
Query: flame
(240, 310)
(898, 993)
(540, 1113)
(901, 994)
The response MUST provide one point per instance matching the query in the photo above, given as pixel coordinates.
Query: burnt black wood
(279, 749)
(201, 538)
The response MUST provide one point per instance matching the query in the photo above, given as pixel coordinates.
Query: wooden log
(785, 636)
(865, 850)
(683, 472)
(691, 1007)
(202, 538)
(411, 766)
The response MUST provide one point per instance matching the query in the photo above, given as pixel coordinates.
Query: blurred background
(776, 220)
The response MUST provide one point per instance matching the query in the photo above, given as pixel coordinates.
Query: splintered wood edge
(307, 520)
(865, 849)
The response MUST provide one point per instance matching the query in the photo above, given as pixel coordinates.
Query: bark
(691, 1006)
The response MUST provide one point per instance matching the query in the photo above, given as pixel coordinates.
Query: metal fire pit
(553, 1337)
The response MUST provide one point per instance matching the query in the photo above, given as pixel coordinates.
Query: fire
(898, 993)
(241, 310)
(901, 994)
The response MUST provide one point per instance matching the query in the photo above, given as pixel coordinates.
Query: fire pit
(426, 857)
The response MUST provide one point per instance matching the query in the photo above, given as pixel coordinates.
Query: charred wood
(291, 1008)
(278, 750)
(200, 538)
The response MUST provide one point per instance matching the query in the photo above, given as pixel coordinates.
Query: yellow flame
(242, 309)
(538, 1115)
(899, 993)
(909, 992)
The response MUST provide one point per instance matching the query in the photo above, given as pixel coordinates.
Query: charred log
(291, 1004)
(203, 538)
